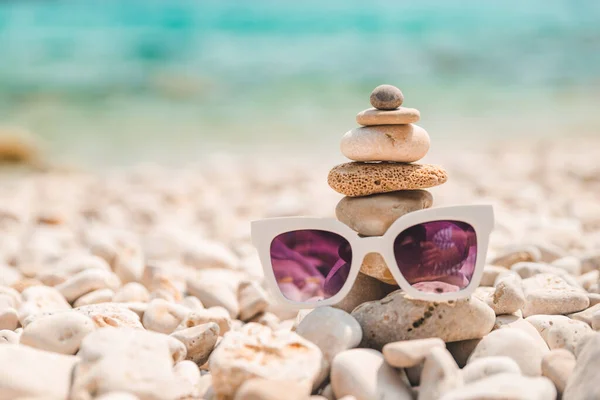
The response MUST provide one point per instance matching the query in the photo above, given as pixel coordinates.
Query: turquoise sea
(132, 79)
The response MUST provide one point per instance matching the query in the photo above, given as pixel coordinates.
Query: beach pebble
(588, 279)
(399, 116)
(163, 316)
(515, 254)
(192, 303)
(216, 287)
(131, 292)
(95, 297)
(365, 289)
(582, 384)
(507, 297)
(9, 336)
(512, 343)
(596, 321)
(506, 386)
(399, 317)
(551, 294)
(398, 143)
(177, 349)
(87, 281)
(487, 366)
(218, 315)
(440, 375)
(60, 333)
(525, 327)
(40, 299)
(373, 215)
(409, 353)
(188, 375)
(125, 359)
(363, 373)
(361, 179)
(590, 262)
(199, 340)
(111, 314)
(28, 372)
(549, 252)
(265, 389)
(332, 330)
(386, 97)
(558, 365)
(8, 275)
(252, 299)
(529, 269)
(117, 396)
(560, 332)
(256, 351)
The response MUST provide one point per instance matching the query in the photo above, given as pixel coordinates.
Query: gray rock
(399, 317)
(386, 97)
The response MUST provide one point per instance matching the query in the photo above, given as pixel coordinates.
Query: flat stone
(409, 353)
(440, 375)
(583, 382)
(399, 116)
(59, 333)
(398, 143)
(28, 372)
(363, 373)
(264, 389)
(558, 365)
(506, 386)
(361, 179)
(255, 351)
(512, 343)
(560, 332)
(199, 340)
(373, 215)
(365, 289)
(487, 366)
(399, 317)
(551, 294)
(386, 97)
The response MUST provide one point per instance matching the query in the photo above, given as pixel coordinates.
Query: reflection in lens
(310, 265)
(437, 256)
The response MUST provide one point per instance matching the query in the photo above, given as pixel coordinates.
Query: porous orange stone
(361, 179)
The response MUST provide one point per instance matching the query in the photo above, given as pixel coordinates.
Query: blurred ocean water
(122, 77)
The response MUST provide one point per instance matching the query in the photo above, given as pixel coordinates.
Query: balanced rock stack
(383, 182)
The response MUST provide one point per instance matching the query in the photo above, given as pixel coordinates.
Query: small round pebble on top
(386, 97)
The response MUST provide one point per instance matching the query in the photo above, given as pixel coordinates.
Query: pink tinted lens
(437, 256)
(310, 265)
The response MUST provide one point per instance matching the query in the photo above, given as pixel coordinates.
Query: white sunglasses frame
(480, 217)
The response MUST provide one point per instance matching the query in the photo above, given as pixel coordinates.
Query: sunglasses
(433, 254)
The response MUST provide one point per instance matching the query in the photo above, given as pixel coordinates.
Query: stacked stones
(383, 182)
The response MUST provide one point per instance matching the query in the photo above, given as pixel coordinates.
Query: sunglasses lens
(310, 265)
(437, 256)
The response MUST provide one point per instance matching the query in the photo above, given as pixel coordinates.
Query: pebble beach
(142, 283)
